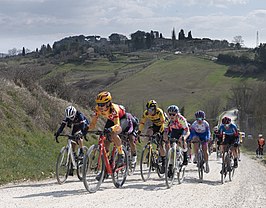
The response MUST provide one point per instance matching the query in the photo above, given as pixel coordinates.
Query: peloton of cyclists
(79, 123)
(229, 134)
(200, 131)
(178, 128)
(118, 121)
(157, 117)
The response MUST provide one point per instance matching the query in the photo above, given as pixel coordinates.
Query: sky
(31, 23)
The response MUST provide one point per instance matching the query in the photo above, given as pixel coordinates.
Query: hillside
(27, 121)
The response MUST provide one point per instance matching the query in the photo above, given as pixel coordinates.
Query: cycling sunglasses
(172, 114)
(199, 119)
(151, 109)
(101, 104)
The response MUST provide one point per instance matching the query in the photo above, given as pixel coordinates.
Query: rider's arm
(142, 121)
(94, 119)
(83, 123)
(162, 119)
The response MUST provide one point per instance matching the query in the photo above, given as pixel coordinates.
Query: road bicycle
(200, 159)
(97, 165)
(174, 163)
(150, 157)
(126, 144)
(68, 160)
(228, 164)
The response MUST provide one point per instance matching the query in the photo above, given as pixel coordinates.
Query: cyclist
(118, 121)
(229, 133)
(216, 138)
(79, 122)
(178, 128)
(200, 130)
(157, 117)
(261, 143)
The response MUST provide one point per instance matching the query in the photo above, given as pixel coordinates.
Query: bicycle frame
(108, 166)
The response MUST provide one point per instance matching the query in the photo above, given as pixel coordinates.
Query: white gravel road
(248, 189)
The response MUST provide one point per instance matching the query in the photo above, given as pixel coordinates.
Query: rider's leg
(133, 148)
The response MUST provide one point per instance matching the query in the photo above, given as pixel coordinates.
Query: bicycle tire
(145, 161)
(62, 165)
(92, 169)
(200, 166)
(80, 164)
(119, 175)
(180, 168)
(223, 173)
(231, 170)
(158, 165)
(170, 168)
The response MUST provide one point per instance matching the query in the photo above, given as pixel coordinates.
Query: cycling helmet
(103, 97)
(260, 135)
(200, 114)
(173, 109)
(226, 120)
(151, 104)
(70, 112)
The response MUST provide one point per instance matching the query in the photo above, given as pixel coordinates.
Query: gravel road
(248, 189)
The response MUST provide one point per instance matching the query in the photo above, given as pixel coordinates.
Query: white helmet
(70, 112)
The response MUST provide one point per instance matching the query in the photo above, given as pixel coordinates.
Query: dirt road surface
(248, 190)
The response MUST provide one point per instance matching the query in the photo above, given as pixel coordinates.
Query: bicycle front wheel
(80, 164)
(119, 175)
(170, 168)
(93, 169)
(200, 166)
(145, 163)
(180, 167)
(62, 166)
(231, 169)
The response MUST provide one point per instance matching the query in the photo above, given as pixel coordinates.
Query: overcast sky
(31, 23)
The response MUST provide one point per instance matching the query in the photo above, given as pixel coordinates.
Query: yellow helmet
(151, 104)
(103, 97)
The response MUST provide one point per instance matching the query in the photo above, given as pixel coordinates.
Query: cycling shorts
(230, 139)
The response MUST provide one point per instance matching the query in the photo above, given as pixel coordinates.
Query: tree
(114, 38)
(261, 54)
(189, 36)
(238, 41)
(23, 51)
(173, 38)
(138, 39)
(181, 35)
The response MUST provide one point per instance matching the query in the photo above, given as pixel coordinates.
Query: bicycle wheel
(200, 166)
(119, 175)
(223, 173)
(158, 165)
(180, 167)
(170, 168)
(145, 163)
(93, 169)
(80, 164)
(62, 166)
(231, 169)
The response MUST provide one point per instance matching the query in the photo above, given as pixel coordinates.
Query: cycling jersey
(179, 123)
(158, 119)
(231, 129)
(79, 123)
(114, 114)
(201, 130)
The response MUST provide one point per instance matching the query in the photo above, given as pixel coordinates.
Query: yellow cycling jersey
(157, 119)
(114, 113)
